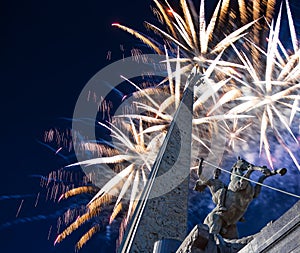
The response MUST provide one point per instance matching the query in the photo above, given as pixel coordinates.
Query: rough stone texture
(200, 240)
(280, 236)
(165, 213)
(196, 241)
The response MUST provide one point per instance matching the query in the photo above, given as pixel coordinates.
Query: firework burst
(272, 95)
(200, 43)
(232, 89)
(134, 152)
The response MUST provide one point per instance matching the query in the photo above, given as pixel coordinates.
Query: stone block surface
(283, 235)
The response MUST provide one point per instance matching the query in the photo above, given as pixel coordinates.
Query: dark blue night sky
(49, 50)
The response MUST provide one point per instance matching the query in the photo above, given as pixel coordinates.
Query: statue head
(239, 167)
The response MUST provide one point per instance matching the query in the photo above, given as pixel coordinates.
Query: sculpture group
(233, 200)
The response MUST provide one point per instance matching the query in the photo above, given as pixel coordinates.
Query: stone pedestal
(279, 236)
(200, 241)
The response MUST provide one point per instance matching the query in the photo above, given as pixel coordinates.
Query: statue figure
(215, 185)
(232, 201)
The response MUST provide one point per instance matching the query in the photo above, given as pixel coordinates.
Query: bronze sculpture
(232, 201)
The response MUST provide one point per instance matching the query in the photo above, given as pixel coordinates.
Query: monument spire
(162, 210)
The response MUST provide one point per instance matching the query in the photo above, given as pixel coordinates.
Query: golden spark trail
(87, 236)
(139, 36)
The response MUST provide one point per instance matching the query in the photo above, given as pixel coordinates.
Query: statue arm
(267, 173)
(242, 182)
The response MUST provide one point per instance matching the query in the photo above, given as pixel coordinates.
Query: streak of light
(19, 209)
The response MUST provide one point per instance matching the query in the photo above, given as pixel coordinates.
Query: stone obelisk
(162, 212)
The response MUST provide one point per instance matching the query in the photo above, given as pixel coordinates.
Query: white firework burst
(134, 151)
(233, 88)
(270, 95)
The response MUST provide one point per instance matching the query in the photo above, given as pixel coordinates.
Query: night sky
(49, 50)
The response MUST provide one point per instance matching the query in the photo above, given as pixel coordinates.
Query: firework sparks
(20, 207)
(263, 99)
(234, 133)
(87, 236)
(134, 148)
(198, 42)
(272, 96)
(37, 200)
